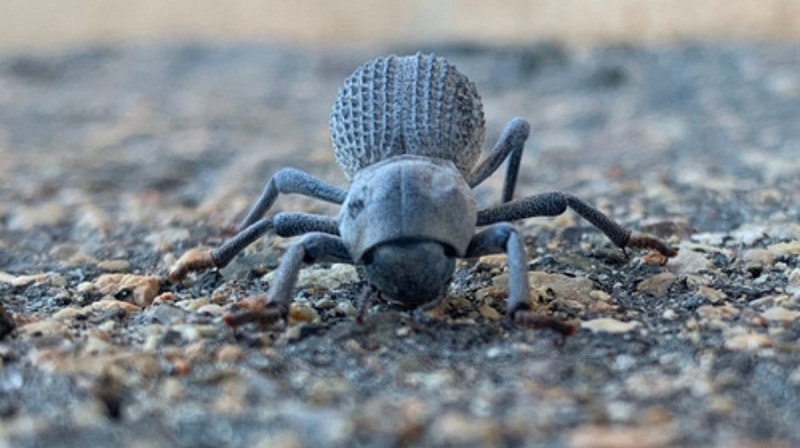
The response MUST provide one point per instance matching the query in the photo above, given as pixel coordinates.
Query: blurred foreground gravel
(114, 161)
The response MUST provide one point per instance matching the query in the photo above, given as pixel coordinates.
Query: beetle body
(407, 132)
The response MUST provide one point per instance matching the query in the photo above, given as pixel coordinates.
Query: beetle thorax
(408, 198)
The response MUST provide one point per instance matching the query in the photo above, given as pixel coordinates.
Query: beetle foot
(637, 241)
(523, 315)
(268, 315)
(196, 259)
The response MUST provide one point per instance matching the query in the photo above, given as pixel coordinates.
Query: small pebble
(785, 249)
(657, 285)
(143, 288)
(114, 265)
(780, 314)
(302, 313)
(324, 303)
(609, 325)
(345, 308)
(212, 309)
(723, 312)
(669, 314)
(748, 342)
(229, 353)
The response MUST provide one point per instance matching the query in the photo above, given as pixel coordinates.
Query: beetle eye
(367, 258)
(449, 251)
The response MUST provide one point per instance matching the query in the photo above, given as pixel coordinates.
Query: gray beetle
(407, 132)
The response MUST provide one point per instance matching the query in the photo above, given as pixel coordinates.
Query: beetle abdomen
(407, 105)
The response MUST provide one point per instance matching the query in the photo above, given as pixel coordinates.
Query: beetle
(407, 132)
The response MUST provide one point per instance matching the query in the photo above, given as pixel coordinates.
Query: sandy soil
(116, 160)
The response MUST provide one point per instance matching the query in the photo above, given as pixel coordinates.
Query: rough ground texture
(117, 160)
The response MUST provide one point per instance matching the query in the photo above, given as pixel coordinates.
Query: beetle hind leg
(556, 203)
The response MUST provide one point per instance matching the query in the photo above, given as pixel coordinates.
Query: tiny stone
(780, 314)
(403, 332)
(669, 314)
(114, 265)
(793, 286)
(609, 325)
(212, 309)
(143, 288)
(229, 353)
(710, 294)
(598, 294)
(84, 287)
(58, 280)
(47, 214)
(67, 313)
(326, 278)
(47, 327)
(757, 260)
(647, 436)
(489, 312)
(748, 342)
(5, 277)
(456, 429)
(345, 308)
(658, 285)
(324, 303)
(688, 261)
(172, 389)
(785, 249)
(96, 346)
(25, 280)
(108, 303)
(193, 305)
(717, 312)
(326, 391)
(302, 313)
(63, 251)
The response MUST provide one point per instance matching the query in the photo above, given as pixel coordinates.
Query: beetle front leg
(312, 248)
(504, 238)
(284, 224)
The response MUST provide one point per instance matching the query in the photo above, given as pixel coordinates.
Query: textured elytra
(417, 105)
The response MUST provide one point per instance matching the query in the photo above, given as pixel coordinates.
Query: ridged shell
(407, 105)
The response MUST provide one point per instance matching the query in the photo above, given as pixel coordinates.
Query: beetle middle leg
(312, 248)
(510, 145)
(504, 238)
(291, 180)
(284, 224)
(556, 203)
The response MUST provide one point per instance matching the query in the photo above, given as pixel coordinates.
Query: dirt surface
(115, 161)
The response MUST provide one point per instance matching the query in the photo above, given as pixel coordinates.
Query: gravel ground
(115, 161)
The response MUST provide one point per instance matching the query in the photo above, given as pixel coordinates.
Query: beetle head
(411, 272)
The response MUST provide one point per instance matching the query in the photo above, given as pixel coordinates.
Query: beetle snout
(410, 272)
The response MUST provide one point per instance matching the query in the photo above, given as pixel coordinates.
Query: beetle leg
(291, 180)
(312, 248)
(510, 145)
(284, 224)
(504, 238)
(556, 203)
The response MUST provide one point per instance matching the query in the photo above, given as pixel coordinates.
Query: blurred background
(56, 23)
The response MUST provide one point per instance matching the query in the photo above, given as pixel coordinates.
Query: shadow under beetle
(408, 132)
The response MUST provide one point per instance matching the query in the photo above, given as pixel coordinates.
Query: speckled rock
(142, 288)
